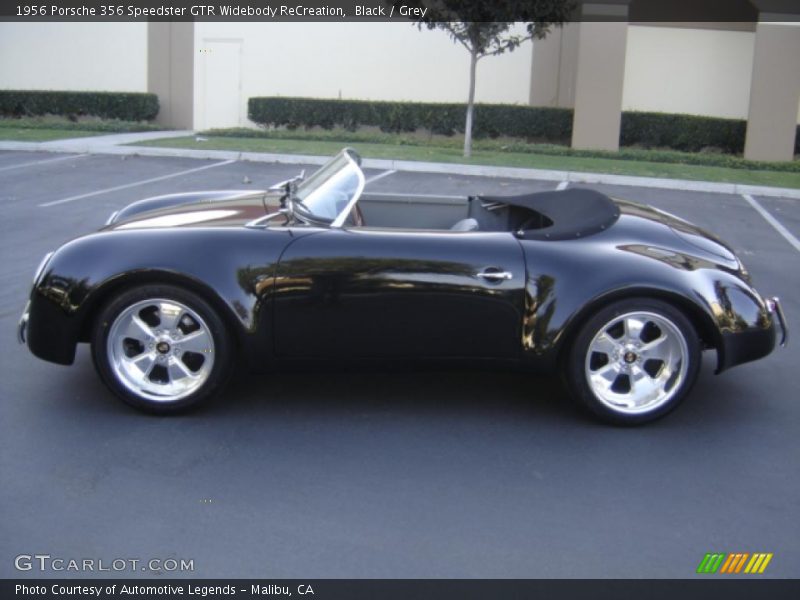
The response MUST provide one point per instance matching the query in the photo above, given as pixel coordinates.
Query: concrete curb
(97, 145)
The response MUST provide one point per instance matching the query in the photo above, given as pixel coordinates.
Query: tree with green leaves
(484, 28)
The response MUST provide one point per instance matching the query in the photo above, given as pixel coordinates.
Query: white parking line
(773, 221)
(135, 183)
(562, 186)
(41, 162)
(379, 176)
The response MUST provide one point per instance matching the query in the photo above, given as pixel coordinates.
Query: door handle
(495, 274)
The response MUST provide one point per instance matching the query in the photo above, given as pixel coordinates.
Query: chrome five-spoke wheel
(161, 348)
(634, 361)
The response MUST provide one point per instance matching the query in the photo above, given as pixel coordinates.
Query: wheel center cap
(162, 347)
(629, 357)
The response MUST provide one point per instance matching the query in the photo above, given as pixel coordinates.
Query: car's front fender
(233, 269)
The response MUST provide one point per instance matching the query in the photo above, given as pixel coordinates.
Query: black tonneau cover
(557, 215)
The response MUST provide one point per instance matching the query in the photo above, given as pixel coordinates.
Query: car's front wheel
(161, 348)
(633, 361)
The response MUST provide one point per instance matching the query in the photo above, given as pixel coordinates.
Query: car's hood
(203, 209)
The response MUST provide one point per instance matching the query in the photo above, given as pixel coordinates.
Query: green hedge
(127, 106)
(492, 120)
(687, 133)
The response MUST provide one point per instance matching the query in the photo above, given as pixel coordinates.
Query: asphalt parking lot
(423, 475)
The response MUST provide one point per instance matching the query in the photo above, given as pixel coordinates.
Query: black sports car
(620, 298)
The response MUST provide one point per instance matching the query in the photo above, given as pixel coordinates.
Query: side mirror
(284, 185)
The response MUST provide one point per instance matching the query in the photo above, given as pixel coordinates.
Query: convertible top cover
(557, 215)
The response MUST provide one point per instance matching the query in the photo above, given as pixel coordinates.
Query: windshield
(330, 194)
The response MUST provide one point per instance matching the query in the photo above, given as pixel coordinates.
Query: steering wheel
(358, 216)
(355, 218)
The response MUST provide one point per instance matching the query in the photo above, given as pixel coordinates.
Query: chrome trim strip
(41, 266)
(22, 327)
(774, 306)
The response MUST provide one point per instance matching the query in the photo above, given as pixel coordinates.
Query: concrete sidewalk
(96, 144)
(117, 144)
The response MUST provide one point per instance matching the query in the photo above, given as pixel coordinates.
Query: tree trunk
(473, 63)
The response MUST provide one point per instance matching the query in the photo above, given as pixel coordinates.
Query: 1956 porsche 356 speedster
(619, 298)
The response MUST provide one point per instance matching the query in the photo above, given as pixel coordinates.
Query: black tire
(627, 368)
(201, 374)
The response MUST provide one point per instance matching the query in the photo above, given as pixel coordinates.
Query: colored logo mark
(734, 562)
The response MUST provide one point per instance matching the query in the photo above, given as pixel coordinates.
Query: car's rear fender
(703, 321)
(570, 281)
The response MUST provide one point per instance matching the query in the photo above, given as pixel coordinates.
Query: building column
(599, 78)
(555, 59)
(774, 92)
(170, 71)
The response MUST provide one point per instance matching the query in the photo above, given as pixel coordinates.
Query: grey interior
(551, 215)
(442, 212)
(410, 212)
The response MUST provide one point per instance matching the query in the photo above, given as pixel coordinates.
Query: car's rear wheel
(634, 361)
(161, 348)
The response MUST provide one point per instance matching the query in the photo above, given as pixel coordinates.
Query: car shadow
(408, 393)
(427, 391)
(398, 391)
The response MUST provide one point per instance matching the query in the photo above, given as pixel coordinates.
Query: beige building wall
(555, 60)
(598, 85)
(699, 71)
(170, 71)
(390, 61)
(74, 56)
(702, 71)
(775, 92)
(694, 71)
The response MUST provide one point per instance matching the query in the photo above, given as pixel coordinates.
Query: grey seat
(469, 224)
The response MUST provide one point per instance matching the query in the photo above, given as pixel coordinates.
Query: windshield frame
(351, 161)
